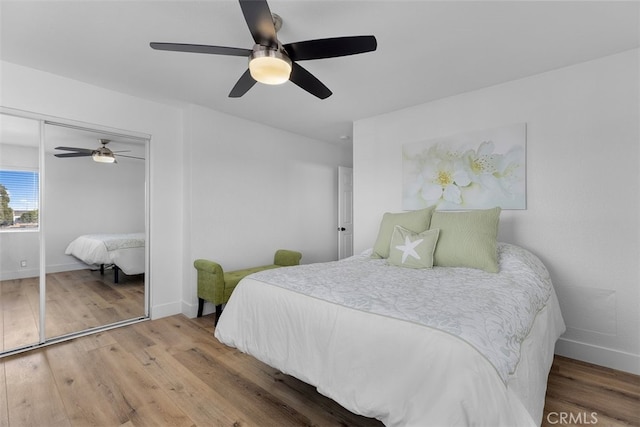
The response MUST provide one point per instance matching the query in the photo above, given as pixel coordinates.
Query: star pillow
(413, 250)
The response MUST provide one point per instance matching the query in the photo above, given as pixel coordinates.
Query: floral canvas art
(472, 170)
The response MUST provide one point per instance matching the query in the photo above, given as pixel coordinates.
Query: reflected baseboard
(58, 268)
(27, 273)
(19, 274)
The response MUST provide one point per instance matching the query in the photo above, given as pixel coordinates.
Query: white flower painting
(473, 170)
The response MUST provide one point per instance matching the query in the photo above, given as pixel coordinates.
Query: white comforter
(126, 250)
(409, 347)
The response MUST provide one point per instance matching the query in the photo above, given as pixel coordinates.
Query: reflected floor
(76, 300)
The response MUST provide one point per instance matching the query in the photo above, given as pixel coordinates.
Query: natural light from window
(19, 198)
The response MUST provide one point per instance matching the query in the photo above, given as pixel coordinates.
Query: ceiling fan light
(101, 157)
(269, 67)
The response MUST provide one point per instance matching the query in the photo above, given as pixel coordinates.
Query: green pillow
(416, 221)
(413, 250)
(467, 239)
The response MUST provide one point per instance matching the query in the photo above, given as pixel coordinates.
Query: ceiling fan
(272, 62)
(101, 154)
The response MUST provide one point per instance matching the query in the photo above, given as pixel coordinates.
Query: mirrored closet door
(80, 263)
(94, 196)
(19, 232)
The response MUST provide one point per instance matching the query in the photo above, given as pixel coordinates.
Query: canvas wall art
(471, 170)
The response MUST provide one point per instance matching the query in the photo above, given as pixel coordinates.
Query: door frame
(345, 212)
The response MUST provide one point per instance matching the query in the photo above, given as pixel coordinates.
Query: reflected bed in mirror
(121, 251)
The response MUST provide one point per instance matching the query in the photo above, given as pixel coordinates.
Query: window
(19, 198)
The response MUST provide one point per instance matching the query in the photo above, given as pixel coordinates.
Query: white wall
(216, 182)
(253, 189)
(36, 91)
(583, 187)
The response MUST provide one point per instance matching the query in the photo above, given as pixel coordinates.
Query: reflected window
(19, 196)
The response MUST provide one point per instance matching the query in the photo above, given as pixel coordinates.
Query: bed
(125, 252)
(445, 346)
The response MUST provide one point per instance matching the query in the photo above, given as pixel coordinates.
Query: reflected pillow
(416, 221)
(467, 239)
(413, 250)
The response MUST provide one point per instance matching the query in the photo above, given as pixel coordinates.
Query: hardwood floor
(76, 300)
(166, 372)
(592, 395)
(173, 372)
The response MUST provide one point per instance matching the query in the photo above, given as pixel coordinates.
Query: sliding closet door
(19, 232)
(84, 197)
(54, 188)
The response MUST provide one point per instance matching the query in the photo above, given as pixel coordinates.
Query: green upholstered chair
(215, 285)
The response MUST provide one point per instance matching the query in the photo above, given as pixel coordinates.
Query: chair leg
(218, 313)
(200, 306)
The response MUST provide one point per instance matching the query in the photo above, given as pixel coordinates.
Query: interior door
(345, 212)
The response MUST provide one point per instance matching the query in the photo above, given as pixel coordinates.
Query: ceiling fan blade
(201, 48)
(308, 82)
(79, 150)
(330, 48)
(79, 154)
(130, 157)
(260, 22)
(243, 84)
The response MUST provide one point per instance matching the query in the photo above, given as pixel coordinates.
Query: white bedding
(408, 347)
(124, 250)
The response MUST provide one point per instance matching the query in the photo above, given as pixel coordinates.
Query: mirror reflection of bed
(118, 251)
(109, 290)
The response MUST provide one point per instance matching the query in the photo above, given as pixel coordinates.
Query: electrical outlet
(23, 263)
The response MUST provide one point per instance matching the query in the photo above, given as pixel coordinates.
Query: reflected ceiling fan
(100, 154)
(270, 61)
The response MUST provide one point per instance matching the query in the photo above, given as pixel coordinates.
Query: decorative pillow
(414, 250)
(416, 221)
(467, 239)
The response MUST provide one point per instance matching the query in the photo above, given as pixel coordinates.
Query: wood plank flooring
(591, 395)
(173, 372)
(76, 300)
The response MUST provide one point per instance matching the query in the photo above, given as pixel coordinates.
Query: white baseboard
(610, 358)
(191, 310)
(165, 310)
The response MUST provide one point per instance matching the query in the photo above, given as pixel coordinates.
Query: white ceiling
(426, 50)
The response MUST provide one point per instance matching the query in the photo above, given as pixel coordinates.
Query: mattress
(125, 250)
(439, 347)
